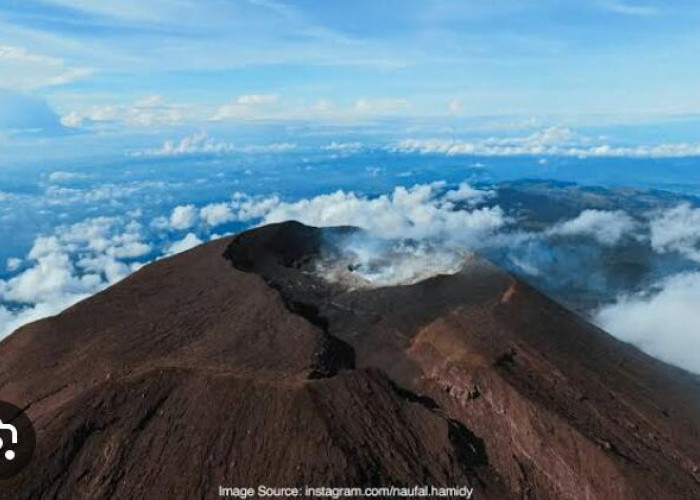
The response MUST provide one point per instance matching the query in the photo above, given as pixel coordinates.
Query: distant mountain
(553, 263)
(237, 364)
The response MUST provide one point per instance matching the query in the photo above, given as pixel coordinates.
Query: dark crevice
(310, 312)
(425, 401)
(470, 450)
(334, 356)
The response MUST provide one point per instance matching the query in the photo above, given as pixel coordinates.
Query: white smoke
(411, 233)
(362, 261)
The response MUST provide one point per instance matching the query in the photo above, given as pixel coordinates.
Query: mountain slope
(233, 364)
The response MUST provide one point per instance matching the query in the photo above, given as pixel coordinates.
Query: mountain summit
(240, 363)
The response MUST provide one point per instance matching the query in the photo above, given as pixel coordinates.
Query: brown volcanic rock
(200, 371)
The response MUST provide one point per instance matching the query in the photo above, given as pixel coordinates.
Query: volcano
(239, 364)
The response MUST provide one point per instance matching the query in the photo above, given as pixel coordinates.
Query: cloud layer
(546, 142)
(201, 144)
(677, 230)
(553, 141)
(423, 212)
(70, 265)
(606, 227)
(663, 321)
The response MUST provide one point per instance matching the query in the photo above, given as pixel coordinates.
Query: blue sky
(86, 65)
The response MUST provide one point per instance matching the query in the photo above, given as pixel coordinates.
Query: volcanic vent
(358, 260)
(294, 361)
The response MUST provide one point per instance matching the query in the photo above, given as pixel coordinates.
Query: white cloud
(670, 150)
(189, 241)
(201, 143)
(663, 323)
(197, 143)
(74, 119)
(130, 250)
(24, 70)
(381, 106)
(183, 217)
(112, 269)
(64, 176)
(422, 211)
(61, 195)
(258, 99)
(10, 320)
(553, 141)
(149, 111)
(454, 106)
(538, 143)
(51, 276)
(467, 194)
(70, 265)
(606, 227)
(216, 214)
(13, 263)
(629, 9)
(275, 147)
(249, 106)
(102, 235)
(343, 147)
(272, 107)
(677, 229)
(321, 107)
